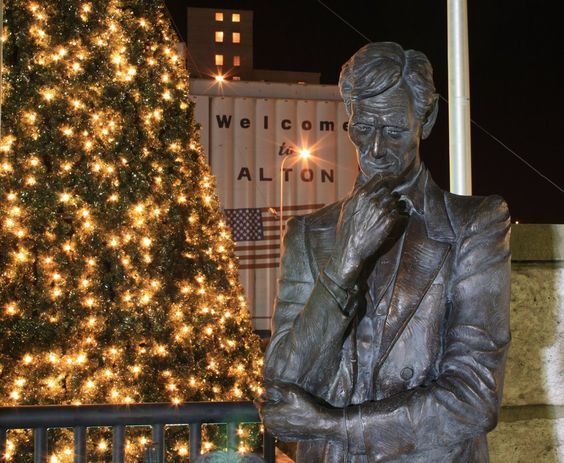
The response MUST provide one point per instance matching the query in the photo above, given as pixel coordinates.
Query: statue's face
(386, 133)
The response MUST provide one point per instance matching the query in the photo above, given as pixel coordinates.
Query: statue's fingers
(272, 389)
(380, 180)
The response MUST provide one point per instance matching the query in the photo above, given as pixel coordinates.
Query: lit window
(236, 17)
(236, 37)
(219, 60)
(219, 36)
(236, 78)
(219, 16)
(236, 60)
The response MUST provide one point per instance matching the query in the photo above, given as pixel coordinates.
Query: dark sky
(516, 63)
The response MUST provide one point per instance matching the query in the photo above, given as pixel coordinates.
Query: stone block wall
(531, 427)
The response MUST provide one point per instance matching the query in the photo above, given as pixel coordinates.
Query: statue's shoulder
(320, 220)
(475, 211)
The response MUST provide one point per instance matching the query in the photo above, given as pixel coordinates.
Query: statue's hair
(379, 66)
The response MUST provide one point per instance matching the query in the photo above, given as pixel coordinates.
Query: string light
(111, 209)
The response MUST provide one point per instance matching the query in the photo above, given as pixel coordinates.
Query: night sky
(516, 63)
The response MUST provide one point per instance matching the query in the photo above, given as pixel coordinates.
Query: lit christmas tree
(118, 282)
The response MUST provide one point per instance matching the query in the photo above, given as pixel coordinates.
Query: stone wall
(531, 427)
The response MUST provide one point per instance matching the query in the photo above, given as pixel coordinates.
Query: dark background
(516, 64)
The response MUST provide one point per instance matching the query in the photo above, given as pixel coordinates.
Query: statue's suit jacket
(439, 374)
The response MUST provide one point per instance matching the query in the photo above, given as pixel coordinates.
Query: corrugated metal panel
(202, 115)
(249, 138)
(264, 89)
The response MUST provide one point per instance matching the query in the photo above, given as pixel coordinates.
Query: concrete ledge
(537, 242)
(530, 412)
(530, 441)
(535, 364)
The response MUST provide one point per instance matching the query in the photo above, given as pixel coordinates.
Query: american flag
(256, 232)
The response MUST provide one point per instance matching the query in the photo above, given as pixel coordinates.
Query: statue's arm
(310, 318)
(464, 401)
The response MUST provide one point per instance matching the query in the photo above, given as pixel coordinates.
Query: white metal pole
(460, 153)
(281, 210)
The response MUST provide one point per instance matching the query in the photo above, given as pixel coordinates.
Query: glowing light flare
(161, 350)
(76, 104)
(48, 95)
(304, 153)
(65, 197)
(56, 293)
(67, 131)
(11, 309)
(7, 167)
(21, 255)
(103, 445)
(30, 117)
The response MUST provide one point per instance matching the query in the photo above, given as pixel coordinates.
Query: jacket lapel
(421, 260)
(425, 248)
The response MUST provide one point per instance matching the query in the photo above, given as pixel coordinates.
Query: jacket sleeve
(310, 321)
(464, 400)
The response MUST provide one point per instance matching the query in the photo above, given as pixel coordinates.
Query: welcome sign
(252, 145)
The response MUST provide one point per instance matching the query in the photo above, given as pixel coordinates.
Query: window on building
(236, 78)
(219, 60)
(219, 36)
(218, 16)
(236, 18)
(236, 37)
(236, 60)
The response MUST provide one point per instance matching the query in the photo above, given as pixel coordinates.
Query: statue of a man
(391, 325)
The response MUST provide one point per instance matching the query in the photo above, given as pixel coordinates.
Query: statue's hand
(367, 218)
(292, 414)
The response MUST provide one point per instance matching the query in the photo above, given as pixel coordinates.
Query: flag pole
(460, 153)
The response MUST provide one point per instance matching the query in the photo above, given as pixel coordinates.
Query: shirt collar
(412, 193)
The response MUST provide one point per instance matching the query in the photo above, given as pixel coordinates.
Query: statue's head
(391, 102)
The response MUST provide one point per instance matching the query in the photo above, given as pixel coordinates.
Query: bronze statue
(391, 325)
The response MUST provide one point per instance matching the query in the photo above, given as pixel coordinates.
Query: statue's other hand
(290, 413)
(367, 218)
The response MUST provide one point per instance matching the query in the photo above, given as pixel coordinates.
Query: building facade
(220, 44)
(253, 134)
